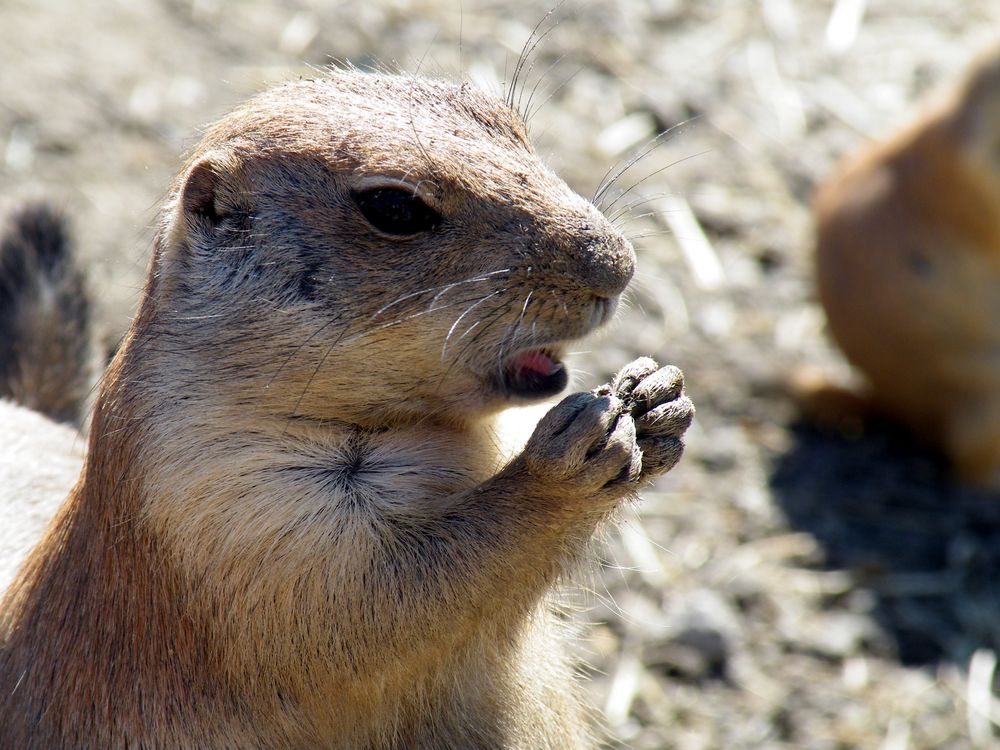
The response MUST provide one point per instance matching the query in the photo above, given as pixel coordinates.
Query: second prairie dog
(296, 526)
(908, 262)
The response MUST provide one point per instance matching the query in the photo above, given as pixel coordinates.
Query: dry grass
(782, 588)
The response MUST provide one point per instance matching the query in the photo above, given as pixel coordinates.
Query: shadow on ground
(925, 547)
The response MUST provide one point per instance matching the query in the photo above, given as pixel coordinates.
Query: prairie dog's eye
(396, 211)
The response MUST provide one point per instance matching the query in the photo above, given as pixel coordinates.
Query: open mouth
(535, 373)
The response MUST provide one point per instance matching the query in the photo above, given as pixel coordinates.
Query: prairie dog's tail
(45, 341)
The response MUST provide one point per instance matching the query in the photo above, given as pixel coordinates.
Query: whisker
(672, 164)
(405, 318)
(474, 325)
(538, 83)
(469, 329)
(622, 210)
(527, 301)
(490, 320)
(452, 286)
(526, 51)
(442, 287)
(605, 184)
(638, 217)
(636, 237)
(512, 336)
(531, 65)
(458, 320)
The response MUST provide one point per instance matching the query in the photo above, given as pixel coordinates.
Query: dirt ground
(782, 588)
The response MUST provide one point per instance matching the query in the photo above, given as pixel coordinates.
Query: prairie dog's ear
(210, 190)
(211, 195)
(978, 109)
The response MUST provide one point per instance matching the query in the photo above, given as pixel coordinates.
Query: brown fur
(909, 271)
(295, 526)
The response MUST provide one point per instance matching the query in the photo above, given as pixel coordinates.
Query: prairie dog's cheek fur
(301, 522)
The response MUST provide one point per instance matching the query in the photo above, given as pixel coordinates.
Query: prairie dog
(908, 266)
(295, 526)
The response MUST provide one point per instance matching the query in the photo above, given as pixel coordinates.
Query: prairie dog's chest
(403, 466)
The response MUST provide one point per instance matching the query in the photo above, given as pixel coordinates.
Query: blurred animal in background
(45, 353)
(908, 269)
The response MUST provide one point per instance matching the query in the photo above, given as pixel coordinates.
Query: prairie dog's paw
(654, 397)
(584, 443)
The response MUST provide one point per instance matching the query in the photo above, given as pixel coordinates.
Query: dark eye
(396, 211)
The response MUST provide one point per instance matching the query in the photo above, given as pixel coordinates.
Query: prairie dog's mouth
(539, 372)
(534, 373)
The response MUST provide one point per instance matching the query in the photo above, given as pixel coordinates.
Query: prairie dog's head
(374, 247)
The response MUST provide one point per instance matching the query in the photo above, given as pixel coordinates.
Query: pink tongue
(535, 361)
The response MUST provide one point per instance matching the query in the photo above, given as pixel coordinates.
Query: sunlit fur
(290, 530)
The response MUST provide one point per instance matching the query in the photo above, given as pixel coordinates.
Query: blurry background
(782, 588)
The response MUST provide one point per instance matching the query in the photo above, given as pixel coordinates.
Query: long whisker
(526, 50)
(405, 318)
(363, 334)
(636, 184)
(444, 347)
(653, 143)
(469, 329)
(452, 286)
(607, 180)
(624, 209)
(531, 65)
(524, 309)
(490, 320)
(538, 83)
(644, 235)
(633, 219)
(512, 336)
(442, 287)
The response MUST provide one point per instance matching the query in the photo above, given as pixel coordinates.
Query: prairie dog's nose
(607, 260)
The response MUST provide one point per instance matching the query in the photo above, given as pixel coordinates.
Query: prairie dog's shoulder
(39, 462)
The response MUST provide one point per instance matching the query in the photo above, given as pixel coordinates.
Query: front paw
(584, 444)
(616, 436)
(654, 397)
